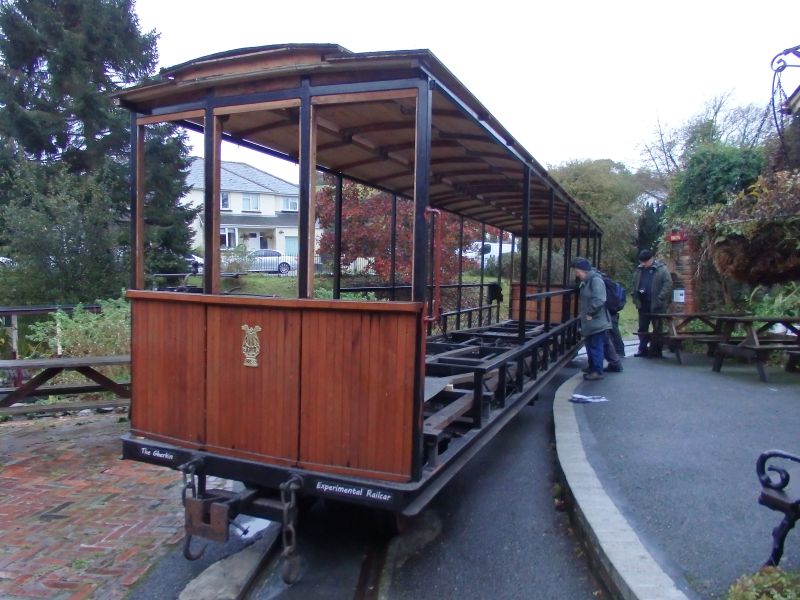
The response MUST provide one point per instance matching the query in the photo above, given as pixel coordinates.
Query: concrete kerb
(628, 569)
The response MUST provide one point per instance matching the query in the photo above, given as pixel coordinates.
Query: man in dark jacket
(595, 320)
(652, 293)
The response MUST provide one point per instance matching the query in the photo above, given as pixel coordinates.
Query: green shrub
(84, 333)
(770, 583)
(777, 300)
(327, 294)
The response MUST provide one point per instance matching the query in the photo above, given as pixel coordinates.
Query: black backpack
(615, 294)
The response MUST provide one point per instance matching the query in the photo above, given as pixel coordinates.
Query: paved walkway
(76, 521)
(663, 473)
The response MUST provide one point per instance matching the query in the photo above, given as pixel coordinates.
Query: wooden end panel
(357, 392)
(253, 411)
(535, 309)
(168, 371)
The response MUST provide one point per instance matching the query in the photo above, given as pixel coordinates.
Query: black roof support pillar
(137, 203)
(212, 146)
(305, 212)
(422, 161)
(337, 237)
(523, 268)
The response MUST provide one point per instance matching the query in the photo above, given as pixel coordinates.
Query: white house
(256, 208)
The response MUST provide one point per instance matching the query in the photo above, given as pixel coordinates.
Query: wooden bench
(774, 496)
(50, 367)
(756, 353)
(457, 404)
(793, 361)
(675, 342)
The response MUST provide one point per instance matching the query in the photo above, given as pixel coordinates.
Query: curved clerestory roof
(476, 166)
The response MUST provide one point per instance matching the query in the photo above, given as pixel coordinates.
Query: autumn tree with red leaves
(367, 230)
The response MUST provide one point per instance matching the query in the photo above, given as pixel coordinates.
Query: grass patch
(628, 319)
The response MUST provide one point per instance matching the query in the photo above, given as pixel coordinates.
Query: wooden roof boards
(365, 107)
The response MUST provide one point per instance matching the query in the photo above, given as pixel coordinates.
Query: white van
(489, 250)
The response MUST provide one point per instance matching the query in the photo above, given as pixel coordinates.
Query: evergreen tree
(60, 62)
(651, 226)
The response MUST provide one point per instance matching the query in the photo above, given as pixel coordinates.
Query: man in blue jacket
(595, 320)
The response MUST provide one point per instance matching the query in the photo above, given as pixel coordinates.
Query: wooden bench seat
(50, 367)
(675, 342)
(60, 407)
(62, 389)
(435, 424)
(757, 354)
(446, 415)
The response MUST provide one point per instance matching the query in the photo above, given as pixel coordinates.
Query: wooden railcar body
(356, 400)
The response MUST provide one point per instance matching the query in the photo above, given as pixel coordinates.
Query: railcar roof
(477, 167)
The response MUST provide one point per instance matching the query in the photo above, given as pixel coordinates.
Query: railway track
(341, 550)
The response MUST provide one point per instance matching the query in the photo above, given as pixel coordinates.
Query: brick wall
(681, 261)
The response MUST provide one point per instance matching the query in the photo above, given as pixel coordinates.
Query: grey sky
(570, 80)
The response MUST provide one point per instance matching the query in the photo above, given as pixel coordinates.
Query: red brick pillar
(680, 260)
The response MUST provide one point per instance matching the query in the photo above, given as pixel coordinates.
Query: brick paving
(76, 522)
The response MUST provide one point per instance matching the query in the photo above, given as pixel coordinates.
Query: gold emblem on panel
(251, 346)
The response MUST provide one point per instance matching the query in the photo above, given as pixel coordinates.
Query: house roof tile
(288, 219)
(240, 177)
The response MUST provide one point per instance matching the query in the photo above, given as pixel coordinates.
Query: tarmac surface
(662, 474)
(674, 449)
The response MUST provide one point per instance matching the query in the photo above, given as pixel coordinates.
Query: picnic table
(760, 340)
(683, 327)
(50, 367)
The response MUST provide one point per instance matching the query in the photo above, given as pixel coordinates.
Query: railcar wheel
(284, 268)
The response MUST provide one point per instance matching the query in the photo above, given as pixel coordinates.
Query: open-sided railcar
(376, 403)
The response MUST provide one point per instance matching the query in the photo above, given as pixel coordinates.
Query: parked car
(6, 262)
(487, 249)
(271, 261)
(195, 263)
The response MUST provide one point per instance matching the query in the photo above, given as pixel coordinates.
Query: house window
(227, 237)
(290, 204)
(250, 202)
(224, 201)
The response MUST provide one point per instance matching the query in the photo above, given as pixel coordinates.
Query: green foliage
(607, 190)
(713, 171)
(628, 320)
(650, 227)
(769, 200)
(235, 260)
(755, 236)
(770, 583)
(784, 149)
(84, 333)
(61, 60)
(64, 236)
(168, 236)
(322, 293)
(64, 151)
(775, 301)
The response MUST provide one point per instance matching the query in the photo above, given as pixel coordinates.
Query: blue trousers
(594, 350)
